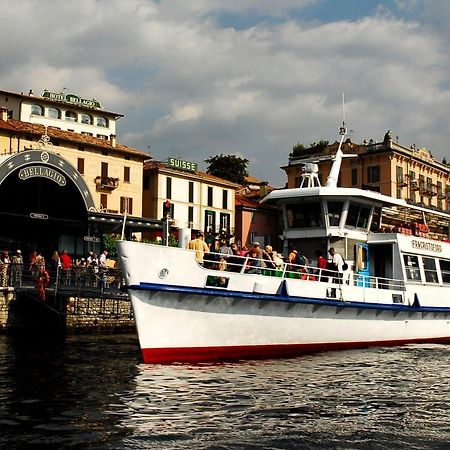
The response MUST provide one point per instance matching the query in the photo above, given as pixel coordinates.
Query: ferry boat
(396, 289)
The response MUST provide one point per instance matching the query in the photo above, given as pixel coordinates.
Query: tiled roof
(37, 130)
(160, 165)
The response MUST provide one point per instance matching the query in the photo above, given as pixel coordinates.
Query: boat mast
(336, 167)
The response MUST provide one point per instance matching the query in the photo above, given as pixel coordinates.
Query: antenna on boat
(336, 167)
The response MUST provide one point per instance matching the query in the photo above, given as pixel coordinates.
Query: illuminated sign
(72, 98)
(422, 245)
(182, 165)
(42, 172)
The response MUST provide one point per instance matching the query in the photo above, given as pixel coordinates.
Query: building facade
(64, 178)
(386, 167)
(197, 201)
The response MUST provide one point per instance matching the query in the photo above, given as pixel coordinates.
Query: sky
(199, 78)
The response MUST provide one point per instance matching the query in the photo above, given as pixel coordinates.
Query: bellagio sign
(43, 172)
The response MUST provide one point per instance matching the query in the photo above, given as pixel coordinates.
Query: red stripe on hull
(233, 353)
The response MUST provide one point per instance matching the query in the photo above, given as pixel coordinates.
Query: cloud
(200, 78)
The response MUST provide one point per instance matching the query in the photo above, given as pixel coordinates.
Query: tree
(229, 167)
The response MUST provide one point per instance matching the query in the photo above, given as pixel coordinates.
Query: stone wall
(81, 315)
(102, 315)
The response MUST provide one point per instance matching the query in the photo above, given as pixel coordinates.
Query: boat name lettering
(45, 172)
(183, 165)
(427, 246)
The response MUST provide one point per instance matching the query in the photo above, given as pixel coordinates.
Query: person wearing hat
(16, 269)
(200, 246)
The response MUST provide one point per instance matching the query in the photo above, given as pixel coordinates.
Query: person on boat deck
(268, 260)
(199, 245)
(254, 263)
(336, 260)
(321, 264)
(223, 248)
(235, 260)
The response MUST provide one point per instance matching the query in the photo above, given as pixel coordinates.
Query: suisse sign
(182, 165)
(72, 98)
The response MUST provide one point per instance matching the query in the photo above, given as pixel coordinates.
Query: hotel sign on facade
(72, 98)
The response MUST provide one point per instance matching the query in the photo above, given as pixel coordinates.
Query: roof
(162, 166)
(34, 129)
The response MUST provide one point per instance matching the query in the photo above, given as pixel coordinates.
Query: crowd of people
(229, 257)
(61, 267)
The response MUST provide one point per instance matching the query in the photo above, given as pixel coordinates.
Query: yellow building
(64, 178)
(386, 167)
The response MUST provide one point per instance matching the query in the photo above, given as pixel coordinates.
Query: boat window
(429, 265)
(445, 270)
(334, 213)
(304, 215)
(358, 216)
(412, 267)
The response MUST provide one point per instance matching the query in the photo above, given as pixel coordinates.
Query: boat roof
(356, 193)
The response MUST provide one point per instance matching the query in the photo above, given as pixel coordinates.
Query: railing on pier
(76, 280)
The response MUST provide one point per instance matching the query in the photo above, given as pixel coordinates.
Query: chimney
(4, 114)
(30, 93)
(113, 140)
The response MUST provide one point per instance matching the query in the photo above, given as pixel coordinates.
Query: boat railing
(282, 269)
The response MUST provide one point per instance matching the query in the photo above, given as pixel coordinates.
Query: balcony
(427, 189)
(106, 183)
(413, 184)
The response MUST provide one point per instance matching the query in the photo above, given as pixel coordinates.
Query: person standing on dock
(16, 269)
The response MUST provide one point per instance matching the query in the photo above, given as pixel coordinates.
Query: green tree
(297, 149)
(229, 167)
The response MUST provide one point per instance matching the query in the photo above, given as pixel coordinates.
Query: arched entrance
(44, 203)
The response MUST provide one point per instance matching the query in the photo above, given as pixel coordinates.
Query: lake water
(93, 392)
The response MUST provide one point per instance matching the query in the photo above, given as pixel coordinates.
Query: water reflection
(375, 398)
(93, 393)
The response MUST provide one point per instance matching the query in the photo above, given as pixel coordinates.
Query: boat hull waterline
(186, 324)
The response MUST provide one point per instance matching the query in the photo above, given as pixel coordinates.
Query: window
(37, 110)
(71, 116)
(86, 133)
(429, 266)
(104, 173)
(146, 182)
(399, 176)
(354, 176)
(334, 213)
(191, 217)
(126, 205)
(358, 216)
(80, 165)
(373, 174)
(224, 199)
(102, 122)
(305, 215)
(86, 119)
(54, 113)
(103, 201)
(102, 136)
(168, 188)
(191, 192)
(210, 221)
(210, 196)
(412, 267)
(412, 186)
(126, 174)
(445, 270)
(224, 223)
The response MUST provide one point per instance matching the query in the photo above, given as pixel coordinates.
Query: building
(387, 167)
(255, 221)
(197, 200)
(64, 178)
